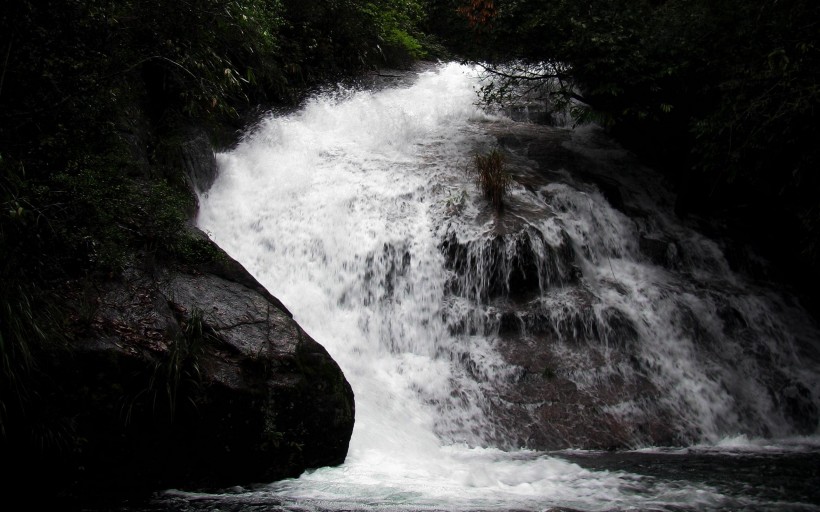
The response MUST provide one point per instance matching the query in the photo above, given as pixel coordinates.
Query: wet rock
(518, 266)
(611, 191)
(580, 397)
(635, 355)
(186, 378)
(660, 251)
(198, 160)
(532, 113)
(797, 405)
(387, 267)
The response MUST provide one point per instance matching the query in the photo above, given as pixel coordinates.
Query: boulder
(190, 378)
(198, 160)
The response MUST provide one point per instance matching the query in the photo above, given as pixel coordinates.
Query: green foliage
(492, 178)
(192, 248)
(325, 39)
(27, 322)
(210, 67)
(454, 204)
(180, 374)
(177, 374)
(17, 328)
(408, 44)
(396, 21)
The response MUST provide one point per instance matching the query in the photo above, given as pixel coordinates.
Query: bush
(492, 178)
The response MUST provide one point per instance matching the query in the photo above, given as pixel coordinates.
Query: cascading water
(466, 336)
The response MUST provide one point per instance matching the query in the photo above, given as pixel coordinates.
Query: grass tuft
(492, 178)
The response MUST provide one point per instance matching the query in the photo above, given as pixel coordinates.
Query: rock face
(197, 378)
(572, 360)
(198, 160)
(617, 324)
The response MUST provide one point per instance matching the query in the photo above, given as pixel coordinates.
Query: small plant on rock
(493, 179)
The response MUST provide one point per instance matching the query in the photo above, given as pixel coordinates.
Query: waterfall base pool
(770, 479)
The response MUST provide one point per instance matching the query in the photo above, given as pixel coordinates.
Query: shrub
(492, 178)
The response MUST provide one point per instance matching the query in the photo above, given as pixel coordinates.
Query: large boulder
(190, 378)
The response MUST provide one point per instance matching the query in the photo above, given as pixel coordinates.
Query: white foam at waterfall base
(330, 209)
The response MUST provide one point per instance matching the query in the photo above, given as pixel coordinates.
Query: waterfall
(466, 335)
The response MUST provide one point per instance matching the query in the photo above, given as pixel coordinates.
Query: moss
(193, 248)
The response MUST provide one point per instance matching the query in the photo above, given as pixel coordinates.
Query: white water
(339, 210)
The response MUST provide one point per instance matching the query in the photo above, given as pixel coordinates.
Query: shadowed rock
(185, 378)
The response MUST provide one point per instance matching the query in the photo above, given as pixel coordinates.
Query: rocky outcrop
(194, 377)
(617, 325)
(197, 160)
(515, 265)
(572, 370)
(574, 374)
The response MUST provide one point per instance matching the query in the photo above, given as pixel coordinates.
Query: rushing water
(358, 213)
